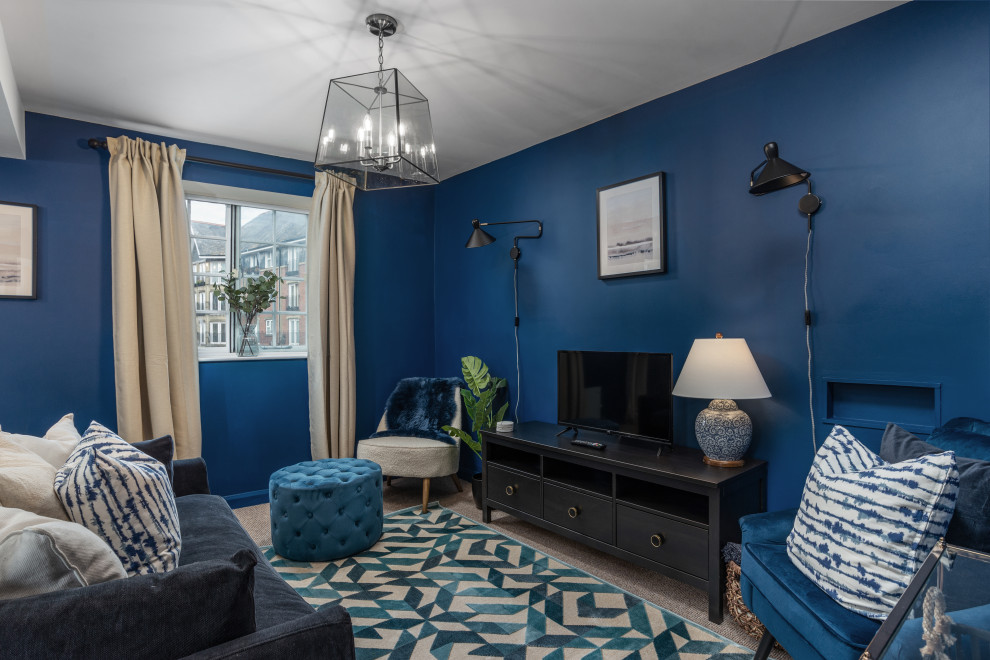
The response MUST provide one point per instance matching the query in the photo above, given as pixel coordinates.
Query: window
(218, 333)
(294, 331)
(293, 295)
(252, 231)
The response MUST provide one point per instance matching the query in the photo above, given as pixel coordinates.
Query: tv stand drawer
(660, 539)
(580, 512)
(515, 490)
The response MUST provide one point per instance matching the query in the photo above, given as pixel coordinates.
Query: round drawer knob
(510, 490)
(656, 540)
(573, 512)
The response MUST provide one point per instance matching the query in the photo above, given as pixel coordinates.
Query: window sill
(231, 357)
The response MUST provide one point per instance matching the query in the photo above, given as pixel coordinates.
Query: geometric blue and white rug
(438, 585)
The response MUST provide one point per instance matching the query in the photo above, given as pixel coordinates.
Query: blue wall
(56, 353)
(891, 117)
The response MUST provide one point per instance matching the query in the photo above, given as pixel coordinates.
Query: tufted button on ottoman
(326, 509)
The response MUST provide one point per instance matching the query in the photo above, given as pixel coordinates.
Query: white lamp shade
(721, 369)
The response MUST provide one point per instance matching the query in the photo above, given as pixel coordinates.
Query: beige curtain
(154, 347)
(330, 323)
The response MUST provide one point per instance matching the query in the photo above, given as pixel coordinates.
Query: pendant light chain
(381, 59)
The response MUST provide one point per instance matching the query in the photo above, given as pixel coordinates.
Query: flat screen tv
(622, 394)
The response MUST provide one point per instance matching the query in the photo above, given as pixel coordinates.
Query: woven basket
(733, 594)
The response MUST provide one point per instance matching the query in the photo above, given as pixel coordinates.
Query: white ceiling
(501, 75)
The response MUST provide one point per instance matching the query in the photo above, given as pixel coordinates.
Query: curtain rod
(95, 143)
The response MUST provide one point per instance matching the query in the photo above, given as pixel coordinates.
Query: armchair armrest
(325, 633)
(190, 477)
(771, 527)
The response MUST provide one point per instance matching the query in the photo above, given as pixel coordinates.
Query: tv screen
(625, 394)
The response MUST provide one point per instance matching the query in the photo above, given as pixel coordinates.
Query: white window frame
(208, 192)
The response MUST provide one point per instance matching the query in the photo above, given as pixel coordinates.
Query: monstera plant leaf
(500, 415)
(479, 402)
(475, 374)
(464, 437)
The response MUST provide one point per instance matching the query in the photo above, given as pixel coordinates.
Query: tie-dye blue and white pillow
(124, 496)
(865, 526)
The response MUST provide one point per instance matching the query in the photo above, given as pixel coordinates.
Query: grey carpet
(668, 593)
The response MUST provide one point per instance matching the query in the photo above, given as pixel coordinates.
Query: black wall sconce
(479, 238)
(778, 174)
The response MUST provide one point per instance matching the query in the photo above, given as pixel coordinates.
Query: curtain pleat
(330, 323)
(155, 362)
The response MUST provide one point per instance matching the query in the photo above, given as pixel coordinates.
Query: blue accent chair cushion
(326, 509)
(969, 525)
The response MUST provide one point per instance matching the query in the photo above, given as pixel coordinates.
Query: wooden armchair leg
(426, 493)
(388, 481)
(457, 482)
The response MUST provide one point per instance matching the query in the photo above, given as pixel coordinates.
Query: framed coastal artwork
(18, 250)
(631, 228)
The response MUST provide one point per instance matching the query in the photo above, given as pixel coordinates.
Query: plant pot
(476, 489)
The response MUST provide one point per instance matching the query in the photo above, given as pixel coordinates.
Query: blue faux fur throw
(420, 407)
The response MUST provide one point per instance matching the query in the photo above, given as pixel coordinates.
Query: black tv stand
(566, 429)
(671, 513)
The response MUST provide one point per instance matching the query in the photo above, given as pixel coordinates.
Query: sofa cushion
(161, 449)
(210, 530)
(26, 481)
(968, 526)
(55, 447)
(39, 555)
(152, 617)
(831, 630)
(124, 496)
(969, 424)
(966, 436)
(865, 526)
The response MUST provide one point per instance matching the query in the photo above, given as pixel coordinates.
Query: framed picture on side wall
(18, 250)
(631, 228)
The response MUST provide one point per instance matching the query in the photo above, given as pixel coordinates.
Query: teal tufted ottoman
(326, 509)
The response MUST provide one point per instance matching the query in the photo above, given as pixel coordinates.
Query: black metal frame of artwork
(658, 224)
(32, 273)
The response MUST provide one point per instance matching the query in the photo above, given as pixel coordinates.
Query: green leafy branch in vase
(257, 295)
(479, 402)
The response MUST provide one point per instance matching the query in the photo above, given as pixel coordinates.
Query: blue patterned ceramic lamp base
(724, 433)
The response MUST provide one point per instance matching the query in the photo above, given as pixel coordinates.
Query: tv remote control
(588, 443)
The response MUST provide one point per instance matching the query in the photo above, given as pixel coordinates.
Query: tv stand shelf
(671, 513)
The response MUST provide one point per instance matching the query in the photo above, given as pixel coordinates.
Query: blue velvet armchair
(806, 622)
(794, 610)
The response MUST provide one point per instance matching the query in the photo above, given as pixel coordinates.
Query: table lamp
(722, 370)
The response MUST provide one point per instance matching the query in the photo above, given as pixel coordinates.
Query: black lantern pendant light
(377, 131)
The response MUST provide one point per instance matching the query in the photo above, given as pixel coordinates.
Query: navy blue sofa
(223, 601)
(795, 611)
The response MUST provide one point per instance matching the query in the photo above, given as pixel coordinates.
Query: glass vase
(247, 337)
